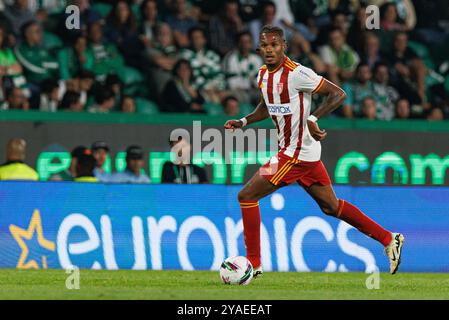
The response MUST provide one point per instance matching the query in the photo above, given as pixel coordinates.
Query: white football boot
(257, 273)
(394, 251)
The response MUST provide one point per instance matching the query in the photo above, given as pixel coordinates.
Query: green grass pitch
(181, 285)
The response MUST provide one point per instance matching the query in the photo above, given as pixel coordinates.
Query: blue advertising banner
(195, 227)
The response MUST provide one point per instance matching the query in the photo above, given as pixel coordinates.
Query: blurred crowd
(199, 56)
(88, 164)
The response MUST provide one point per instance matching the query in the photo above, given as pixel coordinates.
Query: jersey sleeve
(306, 80)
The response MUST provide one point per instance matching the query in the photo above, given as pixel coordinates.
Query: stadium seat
(102, 8)
(52, 41)
(144, 106)
(420, 49)
(129, 76)
(446, 84)
(213, 109)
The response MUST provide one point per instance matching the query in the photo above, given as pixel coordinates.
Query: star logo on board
(19, 234)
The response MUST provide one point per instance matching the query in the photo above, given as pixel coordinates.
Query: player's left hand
(315, 131)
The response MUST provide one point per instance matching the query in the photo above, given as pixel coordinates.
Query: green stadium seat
(213, 109)
(102, 8)
(420, 49)
(51, 41)
(129, 76)
(446, 84)
(144, 106)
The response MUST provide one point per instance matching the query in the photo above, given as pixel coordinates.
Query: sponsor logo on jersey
(279, 110)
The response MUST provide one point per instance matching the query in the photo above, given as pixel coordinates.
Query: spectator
(300, 51)
(436, 114)
(37, 61)
(104, 99)
(181, 170)
(86, 80)
(49, 98)
(162, 57)
(241, 67)
(369, 108)
(75, 58)
(107, 58)
(71, 101)
(18, 14)
(15, 168)
(150, 22)
(207, 73)
(114, 84)
(133, 172)
(356, 91)
(10, 70)
(385, 95)
(180, 22)
(70, 173)
(128, 104)
(408, 70)
(231, 106)
(267, 18)
(402, 109)
(179, 94)
(121, 29)
(389, 20)
(338, 21)
(224, 27)
(340, 59)
(100, 152)
(85, 166)
(357, 31)
(15, 100)
(249, 10)
(371, 49)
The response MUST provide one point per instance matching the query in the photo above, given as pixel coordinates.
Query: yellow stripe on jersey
(291, 65)
(319, 85)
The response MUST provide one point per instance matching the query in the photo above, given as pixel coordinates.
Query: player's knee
(243, 196)
(330, 209)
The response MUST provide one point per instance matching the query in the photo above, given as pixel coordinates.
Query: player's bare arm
(259, 114)
(334, 98)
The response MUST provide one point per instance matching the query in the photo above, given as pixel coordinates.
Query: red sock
(356, 218)
(251, 230)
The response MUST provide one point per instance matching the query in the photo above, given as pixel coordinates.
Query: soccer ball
(236, 270)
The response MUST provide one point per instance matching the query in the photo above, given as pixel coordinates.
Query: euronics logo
(416, 169)
(22, 235)
(101, 226)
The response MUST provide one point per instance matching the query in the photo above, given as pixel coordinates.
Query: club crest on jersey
(280, 87)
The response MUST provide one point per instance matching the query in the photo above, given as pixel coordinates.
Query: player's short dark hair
(272, 29)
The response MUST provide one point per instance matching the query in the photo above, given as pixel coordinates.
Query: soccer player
(286, 96)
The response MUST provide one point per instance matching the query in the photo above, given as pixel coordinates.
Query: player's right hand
(233, 124)
(315, 131)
